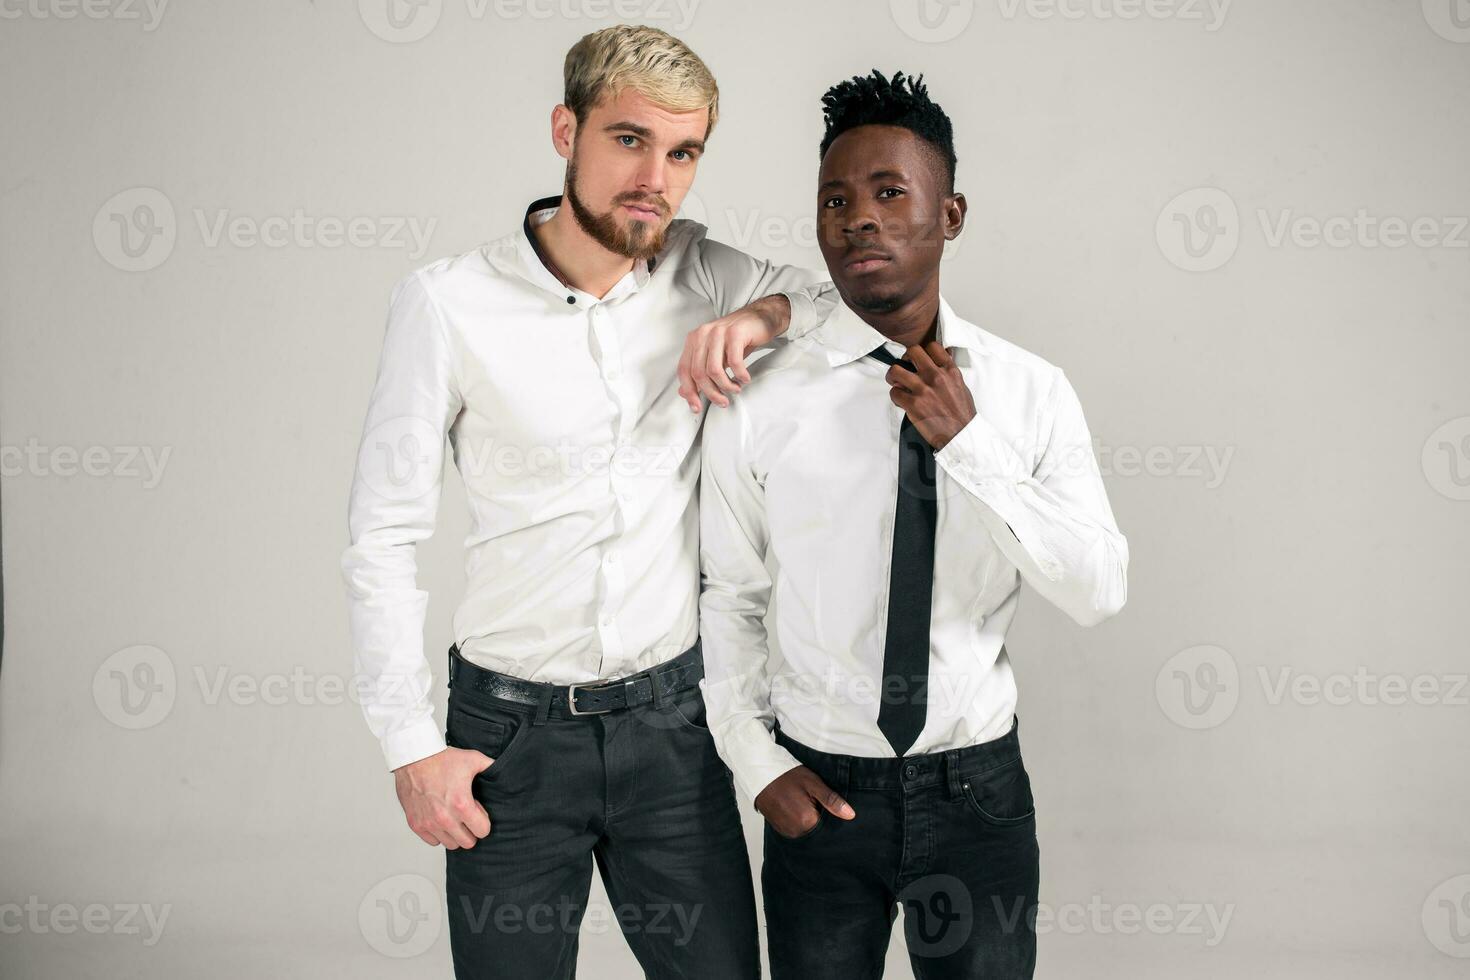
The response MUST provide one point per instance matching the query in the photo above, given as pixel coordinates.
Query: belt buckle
(572, 701)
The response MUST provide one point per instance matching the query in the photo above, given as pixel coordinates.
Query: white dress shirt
(805, 464)
(579, 458)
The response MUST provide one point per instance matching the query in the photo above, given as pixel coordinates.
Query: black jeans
(951, 836)
(640, 791)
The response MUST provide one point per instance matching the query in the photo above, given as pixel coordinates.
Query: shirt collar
(846, 337)
(544, 271)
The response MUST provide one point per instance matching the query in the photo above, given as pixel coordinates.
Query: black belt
(651, 686)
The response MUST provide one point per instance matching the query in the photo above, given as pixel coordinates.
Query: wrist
(775, 311)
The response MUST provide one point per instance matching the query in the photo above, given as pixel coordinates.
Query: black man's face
(881, 215)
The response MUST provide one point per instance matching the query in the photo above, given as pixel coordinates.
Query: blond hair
(653, 63)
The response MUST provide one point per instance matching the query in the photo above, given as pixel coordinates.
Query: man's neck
(914, 323)
(582, 262)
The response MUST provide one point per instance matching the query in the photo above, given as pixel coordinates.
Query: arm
(393, 505)
(758, 303)
(1055, 525)
(732, 609)
(732, 606)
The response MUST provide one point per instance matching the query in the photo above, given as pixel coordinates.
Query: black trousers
(950, 836)
(642, 793)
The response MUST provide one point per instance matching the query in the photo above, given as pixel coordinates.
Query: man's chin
(872, 299)
(642, 239)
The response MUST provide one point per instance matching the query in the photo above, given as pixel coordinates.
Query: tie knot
(881, 353)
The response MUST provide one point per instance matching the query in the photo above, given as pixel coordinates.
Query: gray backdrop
(1239, 227)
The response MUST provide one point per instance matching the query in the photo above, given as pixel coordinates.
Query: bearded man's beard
(635, 240)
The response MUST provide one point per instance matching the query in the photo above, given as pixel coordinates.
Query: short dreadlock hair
(875, 100)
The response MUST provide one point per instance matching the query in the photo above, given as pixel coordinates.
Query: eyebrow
(876, 175)
(644, 132)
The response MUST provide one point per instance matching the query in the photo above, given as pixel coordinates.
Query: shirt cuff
(756, 760)
(418, 741)
(810, 308)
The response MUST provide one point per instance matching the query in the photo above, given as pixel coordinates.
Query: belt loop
(844, 774)
(660, 696)
(543, 705)
(952, 770)
(453, 648)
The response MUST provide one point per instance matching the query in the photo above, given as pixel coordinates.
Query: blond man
(560, 363)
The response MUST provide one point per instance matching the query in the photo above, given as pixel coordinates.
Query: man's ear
(954, 216)
(563, 130)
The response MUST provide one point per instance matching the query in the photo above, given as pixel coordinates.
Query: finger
(735, 357)
(686, 382)
(688, 387)
(715, 367)
(903, 378)
(921, 360)
(697, 359)
(475, 818)
(831, 801)
(940, 355)
(458, 832)
(707, 387)
(901, 398)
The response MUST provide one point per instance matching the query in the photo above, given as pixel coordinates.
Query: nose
(860, 222)
(652, 176)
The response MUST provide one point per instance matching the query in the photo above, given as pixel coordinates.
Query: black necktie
(905, 693)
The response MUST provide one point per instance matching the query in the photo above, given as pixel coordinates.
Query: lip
(868, 261)
(639, 213)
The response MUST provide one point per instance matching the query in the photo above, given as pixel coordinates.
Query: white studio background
(1239, 227)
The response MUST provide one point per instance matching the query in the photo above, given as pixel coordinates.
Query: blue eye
(632, 139)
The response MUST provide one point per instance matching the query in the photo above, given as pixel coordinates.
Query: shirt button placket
(612, 573)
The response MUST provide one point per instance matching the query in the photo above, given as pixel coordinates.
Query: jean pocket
(821, 822)
(692, 712)
(1001, 796)
(485, 727)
